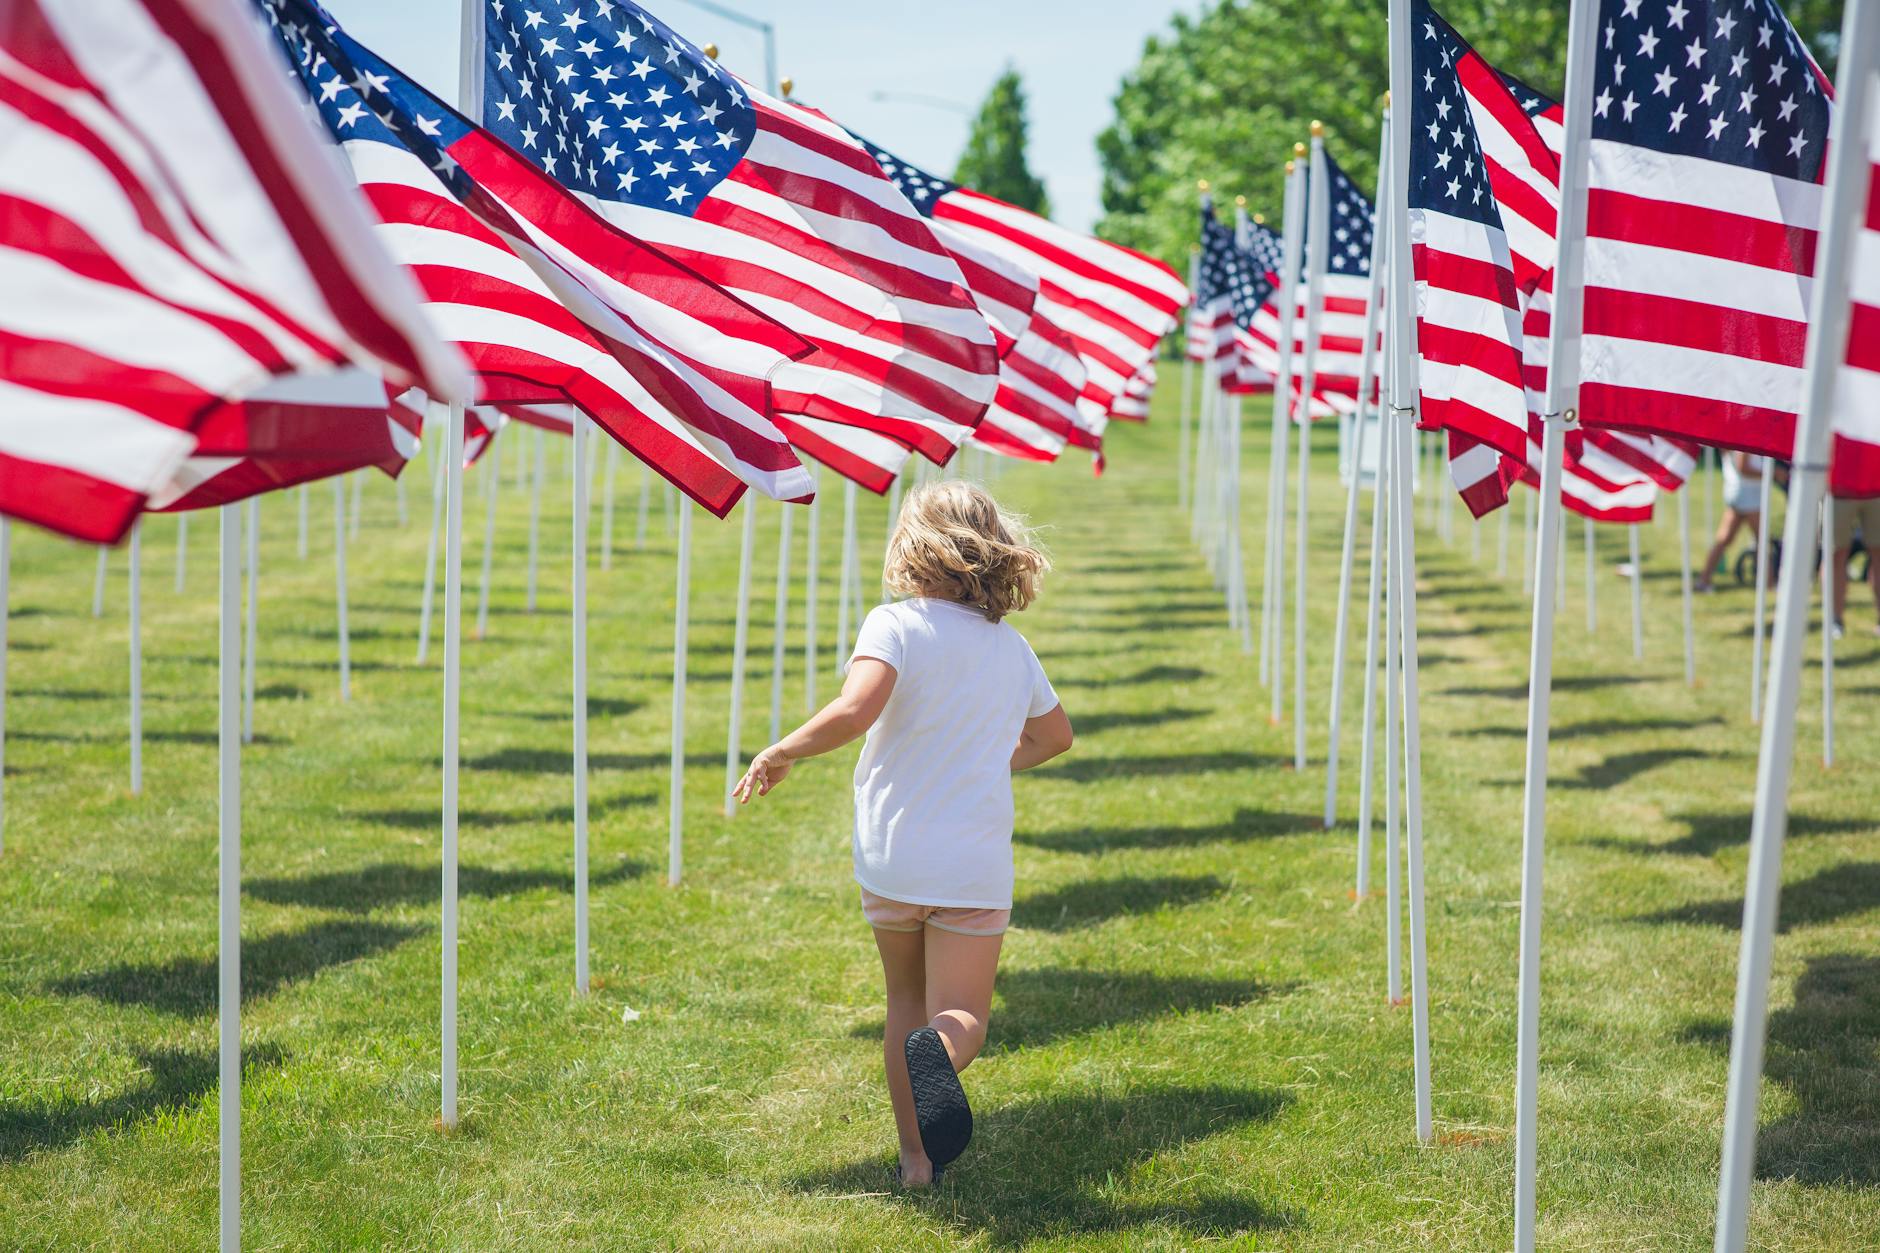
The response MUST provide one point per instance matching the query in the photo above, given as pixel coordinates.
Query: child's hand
(767, 770)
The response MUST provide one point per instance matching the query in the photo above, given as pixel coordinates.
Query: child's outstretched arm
(1043, 738)
(846, 718)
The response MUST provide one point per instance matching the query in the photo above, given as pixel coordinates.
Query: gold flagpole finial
(1240, 202)
(1299, 150)
(1259, 219)
(1201, 185)
(1387, 100)
(710, 50)
(1318, 129)
(1289, 169)
(787, 85)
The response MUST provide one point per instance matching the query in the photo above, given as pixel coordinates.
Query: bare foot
(915, 1171)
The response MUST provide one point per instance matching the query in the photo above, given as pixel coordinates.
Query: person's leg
(903, 964)
(960, 970)
(1840, 585)
(1726, 531)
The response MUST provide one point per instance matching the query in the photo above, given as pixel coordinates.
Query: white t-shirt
(933, 788)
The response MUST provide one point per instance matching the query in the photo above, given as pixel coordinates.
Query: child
(953, 701)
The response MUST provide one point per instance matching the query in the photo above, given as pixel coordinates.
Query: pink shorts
(889, 915)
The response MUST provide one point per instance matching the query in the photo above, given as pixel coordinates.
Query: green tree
(994, 160)
(1224, 94)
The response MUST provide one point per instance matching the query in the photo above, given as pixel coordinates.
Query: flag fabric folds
(550, 302)
(1343, 302)
(1855, 461)
(1133, 404)
(1114, 303)
(771, 200)
(1468, 296)
(166, 248)
(1710, 125)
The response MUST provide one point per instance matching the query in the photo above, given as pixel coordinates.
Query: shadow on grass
(398, 883)
(1708, 834)
(1095, 723)
(1621, 768)
(560, 761)
(1246, 824)
(598, 707)
(1569, 683)
(173, 1080)
(428, 819)
(1827, 896)
(1034, 1007)
(1147, 675)
(1099, 900)
(1052, 1168)
(1094, 769)
(150, 737)
(1825, 1049)
(187, 985)
(1598, 728)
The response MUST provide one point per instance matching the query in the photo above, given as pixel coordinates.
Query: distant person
(1849, 516)
(953, 702)
(1742, 506)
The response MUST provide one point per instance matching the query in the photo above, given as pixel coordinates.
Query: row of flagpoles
(1434, 253)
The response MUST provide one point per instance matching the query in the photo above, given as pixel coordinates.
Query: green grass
(1191, 1043)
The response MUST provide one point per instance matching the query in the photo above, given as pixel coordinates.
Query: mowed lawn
(1191, 1043)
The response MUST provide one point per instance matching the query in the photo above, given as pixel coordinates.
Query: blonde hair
(954, 542)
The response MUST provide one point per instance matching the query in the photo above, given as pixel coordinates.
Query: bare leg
(960, 969)
(1726, 531)
(903, 964)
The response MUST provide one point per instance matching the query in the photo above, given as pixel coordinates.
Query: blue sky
(1072, 53)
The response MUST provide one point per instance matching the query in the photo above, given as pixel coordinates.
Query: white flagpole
(846, 583)
(1763, 523)
(1403, 383)
(1182, 485)
(251, 649)
(430, 555)
(1243, 609)
(300, 548)
(1367, 759)
(1563, 393)
(182, 550)
(1638, 596)
(453, 670)
(339, 581)
(739, 648)
(810, 573)
(646, 489)
(1294, 215)
(894, 520)
(1367, 364)
(675, 812)
(607, 505)
(137, 658)
(229, 879)
(1684, 580)
(1527, 547)
(97, 584)
(1395, 485)
(492, 485)
(1845, 188)
(1592, 577)
(1827, 630)
(578, 431)
(358, 491)
(1707, 469)
(6, 578)
(780, 623)
(1318, 230)
(535, 513)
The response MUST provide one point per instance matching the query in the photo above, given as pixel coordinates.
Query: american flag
(324, 425)
(1036, 415)
(1113, 302)
(1709, 129)
(1231, 284)
(1606, 481)
(1345, 297)
(1257, 359)
(550, 302)
(1855, 460)
(771, 200)
(1133, 404)
(166, 248)
(1469, 306)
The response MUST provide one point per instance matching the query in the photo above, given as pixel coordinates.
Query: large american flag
(1709, 129)
(166, 247)
(549, 302)
(326, 425)
(769, 199)
(1855, 463)
(1115, 303)
(1469, 295)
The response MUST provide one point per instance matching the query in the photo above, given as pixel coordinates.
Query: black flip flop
(894, 1173)
(946, 1121)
